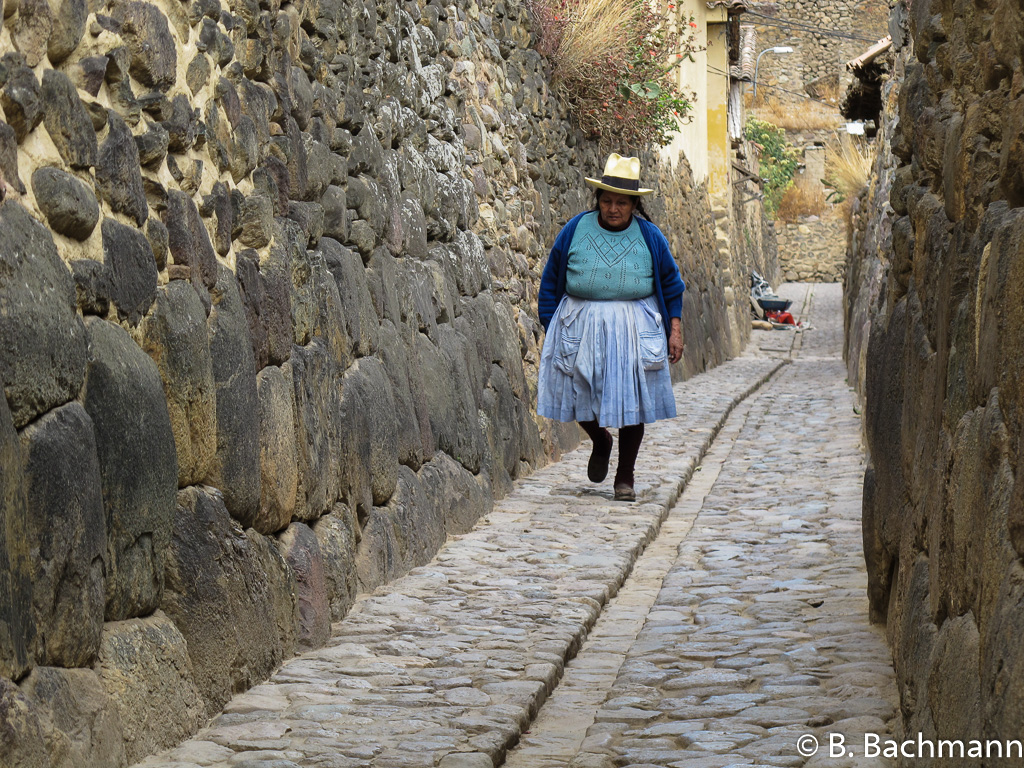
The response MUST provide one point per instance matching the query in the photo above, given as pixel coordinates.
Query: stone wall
(944, 492)
(818, 60)
(268, 315)
(812, 249)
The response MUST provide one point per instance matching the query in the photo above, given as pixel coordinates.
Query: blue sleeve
(672, 285)
(552, 280)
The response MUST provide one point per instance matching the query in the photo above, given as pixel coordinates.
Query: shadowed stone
(9, 156)
(183, 126)
(369, 454)
(133, 275)
(223, 594)
(236, 465)
(69, 205)
(145, 669)
(279, 476)
(31, 29)
(118, 177)
(156, 233)
(301, 550)
(336, 534)
(68, 27)
(22, 102)
(154, 59)
(16, 627)
(78, 721)
(67, 530)
(152, 145)
(44, 357)
(175, 335)
(317, 432)
(124, 396)
(67, 121)
(92, 286)
(188, 239)
(462, 498)
(360, 316)
(89, 74)
(22, 742)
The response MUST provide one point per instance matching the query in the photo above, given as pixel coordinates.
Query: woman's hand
(675, 341)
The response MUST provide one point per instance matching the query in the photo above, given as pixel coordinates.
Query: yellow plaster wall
(691, 140)
(704, 139)
(717, 109)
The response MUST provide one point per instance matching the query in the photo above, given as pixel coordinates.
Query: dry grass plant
(792, 113)
(577, 34)
(802, 200)
(806, 115)
(614, 65)
(848, 164)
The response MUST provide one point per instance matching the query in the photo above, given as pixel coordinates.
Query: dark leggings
(629, 446)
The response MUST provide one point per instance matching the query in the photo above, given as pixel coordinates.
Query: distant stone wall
(937, 280)
(268, 317)
(817, 58)
(812, 250)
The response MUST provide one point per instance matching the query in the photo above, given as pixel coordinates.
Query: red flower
(693, 24)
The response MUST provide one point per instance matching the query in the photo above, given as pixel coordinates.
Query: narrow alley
(721, 620)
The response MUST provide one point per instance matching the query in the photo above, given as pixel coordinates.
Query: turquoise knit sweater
(608, 265)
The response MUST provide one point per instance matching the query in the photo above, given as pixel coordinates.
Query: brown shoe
(624, 492)
(597, 469)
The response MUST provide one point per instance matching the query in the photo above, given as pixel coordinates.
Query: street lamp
(776, 49)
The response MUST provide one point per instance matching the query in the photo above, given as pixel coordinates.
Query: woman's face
(616, 210)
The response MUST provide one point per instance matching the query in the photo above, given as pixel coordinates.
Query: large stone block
(78, 722)
(69, 205)
(415, 441)
(368, 461)
(175, 335)
(131, 268)
(221, 599)
(316, 383)
(275, 306)
(17, 629)
(464, 497)
(21, 738)
(336, 532)
(124, 397)
(68, 27)
(66, 534)
(154, 58)
(445, 381)
(360, 316)
(145, 670)
(279, 469)
(236, 465)
(22, 103)
(301, 550)
(44, 356)
(118, 174)
(66, 120)
(188, 239)
(318, 308)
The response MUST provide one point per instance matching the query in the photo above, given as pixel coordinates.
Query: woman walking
(610, 300)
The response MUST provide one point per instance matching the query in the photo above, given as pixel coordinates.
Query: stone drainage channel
(720, 620)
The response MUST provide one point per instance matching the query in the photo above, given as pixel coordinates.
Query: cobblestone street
(713, 623)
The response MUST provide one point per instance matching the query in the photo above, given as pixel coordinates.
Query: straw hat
(622, 175)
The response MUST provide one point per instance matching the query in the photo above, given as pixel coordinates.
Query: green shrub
(779, 160)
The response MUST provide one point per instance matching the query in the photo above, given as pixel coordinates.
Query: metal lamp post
(776, 49)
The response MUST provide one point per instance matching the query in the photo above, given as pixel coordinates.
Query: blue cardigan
(668, 284)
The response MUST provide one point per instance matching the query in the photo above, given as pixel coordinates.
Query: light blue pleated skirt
(606, 361)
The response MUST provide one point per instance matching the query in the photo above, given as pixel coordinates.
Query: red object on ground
(785, 318)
